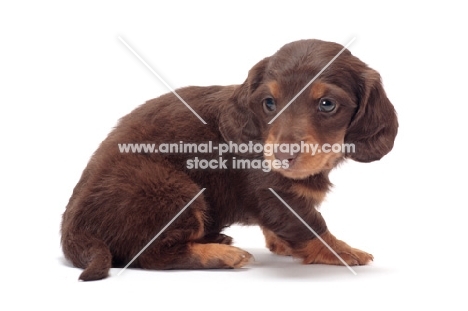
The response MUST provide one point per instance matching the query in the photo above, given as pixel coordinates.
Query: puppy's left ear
(375, 125)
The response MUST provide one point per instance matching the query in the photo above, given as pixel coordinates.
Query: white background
(65, 79)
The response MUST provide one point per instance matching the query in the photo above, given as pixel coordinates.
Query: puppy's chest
(309, 193)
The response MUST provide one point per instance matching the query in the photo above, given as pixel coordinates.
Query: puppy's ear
(375, 125)
(238, 122)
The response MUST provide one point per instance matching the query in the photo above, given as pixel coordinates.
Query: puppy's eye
(269, 105)
(326, 105)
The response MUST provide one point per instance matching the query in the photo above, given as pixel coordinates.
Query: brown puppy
(124, 199)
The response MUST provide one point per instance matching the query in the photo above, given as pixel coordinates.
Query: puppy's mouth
(302, 165)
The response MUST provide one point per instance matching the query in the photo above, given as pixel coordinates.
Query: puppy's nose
(286, 156)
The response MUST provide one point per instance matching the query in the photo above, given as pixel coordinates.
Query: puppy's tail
(89, 253)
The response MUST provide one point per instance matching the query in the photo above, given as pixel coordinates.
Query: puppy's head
(343, 113)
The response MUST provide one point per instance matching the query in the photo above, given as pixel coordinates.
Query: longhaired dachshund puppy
(124, 199)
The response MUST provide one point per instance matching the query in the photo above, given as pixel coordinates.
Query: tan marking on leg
(316, 252)
(200, 232)
(276, 244)
(213, 255)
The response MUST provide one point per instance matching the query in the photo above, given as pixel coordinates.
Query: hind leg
(182, 247)
(195, 256)
(216, 238)
(153, 202)
(126, 205)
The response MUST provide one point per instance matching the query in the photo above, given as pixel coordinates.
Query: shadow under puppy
(124, 199)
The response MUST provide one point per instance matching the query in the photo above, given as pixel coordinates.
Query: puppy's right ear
(238, 122)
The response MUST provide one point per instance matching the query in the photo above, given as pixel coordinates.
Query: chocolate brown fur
(124, 199)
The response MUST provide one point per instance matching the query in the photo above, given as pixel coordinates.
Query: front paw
(316, 252)
(275, 244)
(352, 257)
